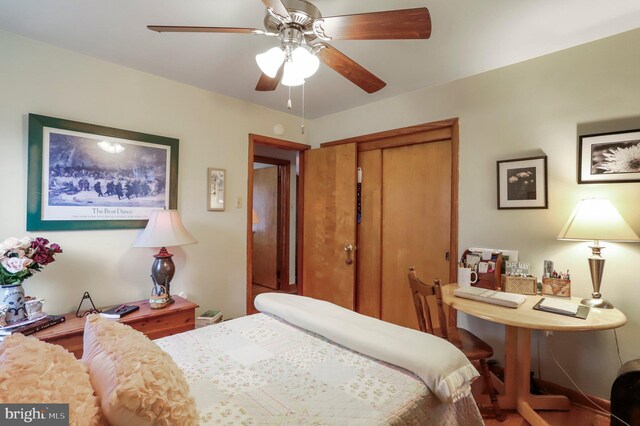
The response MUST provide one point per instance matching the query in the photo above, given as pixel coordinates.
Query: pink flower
(41, 257)
(39, 242)
(13, 264)
(56, 248)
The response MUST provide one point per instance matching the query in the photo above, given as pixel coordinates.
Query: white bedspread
(261, 370)
(441, 366)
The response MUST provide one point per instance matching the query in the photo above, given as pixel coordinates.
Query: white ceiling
(469, 37)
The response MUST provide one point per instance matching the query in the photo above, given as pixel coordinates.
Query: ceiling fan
(303, 33)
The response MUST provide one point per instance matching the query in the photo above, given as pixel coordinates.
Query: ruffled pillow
(136, 381)
(32, 371)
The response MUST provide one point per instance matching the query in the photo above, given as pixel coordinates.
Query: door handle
(349, 248)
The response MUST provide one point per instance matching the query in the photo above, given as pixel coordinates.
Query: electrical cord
(538, 344)
(598, 408)
(617, 346)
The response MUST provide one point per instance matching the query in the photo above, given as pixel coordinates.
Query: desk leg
(527, 403)
(508, 399)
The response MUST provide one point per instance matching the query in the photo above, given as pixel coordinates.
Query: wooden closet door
(369, 234)
(329, 224)
(416, 223)
(265, 235)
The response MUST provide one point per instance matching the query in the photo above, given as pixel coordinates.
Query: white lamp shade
(597, 219)
(165, 229)
(306, 62)
(270, 61)
(292, 75)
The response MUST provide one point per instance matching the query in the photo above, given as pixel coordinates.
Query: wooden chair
(475, 349)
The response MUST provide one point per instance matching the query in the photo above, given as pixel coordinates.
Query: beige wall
(537, 106)
(212, 129)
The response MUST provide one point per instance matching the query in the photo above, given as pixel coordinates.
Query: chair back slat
(420, 292)
(444, 329)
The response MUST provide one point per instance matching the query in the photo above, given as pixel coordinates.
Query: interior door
(265, 232)
(330, 224)
(416, 230)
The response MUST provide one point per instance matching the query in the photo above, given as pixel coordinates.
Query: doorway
(274, 204)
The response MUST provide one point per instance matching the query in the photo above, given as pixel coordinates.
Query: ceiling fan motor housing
(302, 13)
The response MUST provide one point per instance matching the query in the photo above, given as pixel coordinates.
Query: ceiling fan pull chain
(302, 126)
(289, 101)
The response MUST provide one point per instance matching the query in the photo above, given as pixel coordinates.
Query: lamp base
(597, 303)
(162, 271)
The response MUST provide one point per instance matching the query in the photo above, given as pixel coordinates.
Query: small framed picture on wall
(609, 157)
(522, 183)
(216, 189)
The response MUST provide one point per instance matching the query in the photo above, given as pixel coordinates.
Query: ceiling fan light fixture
(292, 75)
(305, 61)
(270, 61)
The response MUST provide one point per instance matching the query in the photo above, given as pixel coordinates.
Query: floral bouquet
(19, 259)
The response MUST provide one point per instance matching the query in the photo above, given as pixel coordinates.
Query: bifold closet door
(330, 224)
(416, 223)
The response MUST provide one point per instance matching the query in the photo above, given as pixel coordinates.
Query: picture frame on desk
(522, 183)
(609, 157)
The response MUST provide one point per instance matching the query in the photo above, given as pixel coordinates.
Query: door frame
(285, 145)
(438, 131)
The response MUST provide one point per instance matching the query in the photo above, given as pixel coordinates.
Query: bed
(266, 369)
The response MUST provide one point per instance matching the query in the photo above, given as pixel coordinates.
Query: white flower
(2, 252)
(10, 243)
(13, 264)
(621, 160)
(25, 242)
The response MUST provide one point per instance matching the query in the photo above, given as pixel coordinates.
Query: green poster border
(34, 179)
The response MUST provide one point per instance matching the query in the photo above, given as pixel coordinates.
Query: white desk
(519, 323)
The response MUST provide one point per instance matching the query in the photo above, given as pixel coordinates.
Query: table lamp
(164, 229)
(597, 220)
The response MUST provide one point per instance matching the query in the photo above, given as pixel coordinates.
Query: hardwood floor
(576, 416)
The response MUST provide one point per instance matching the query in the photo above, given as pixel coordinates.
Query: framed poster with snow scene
(84, 176)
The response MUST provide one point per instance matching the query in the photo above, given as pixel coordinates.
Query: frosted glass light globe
(305, 61)
(270, 61)
(292, 75)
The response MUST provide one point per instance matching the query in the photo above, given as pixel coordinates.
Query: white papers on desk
(510, 300)
(559, 306)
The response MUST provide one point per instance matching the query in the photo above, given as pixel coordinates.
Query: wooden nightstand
(154, 323)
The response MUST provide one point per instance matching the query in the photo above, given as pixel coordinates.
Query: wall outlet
(239, 203)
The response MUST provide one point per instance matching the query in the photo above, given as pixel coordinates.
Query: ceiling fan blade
(278, 9)
(389, 25)
(268, 84)
(182, 29)
(350, 69)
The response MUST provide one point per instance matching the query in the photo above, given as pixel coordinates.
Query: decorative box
(556, 287)
(520, 285)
